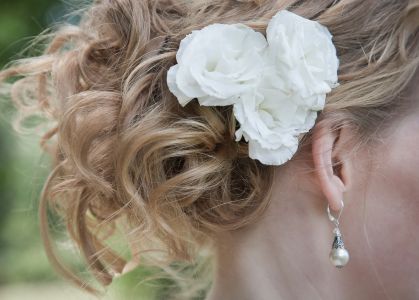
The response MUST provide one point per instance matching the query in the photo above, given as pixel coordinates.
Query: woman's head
(127, 155)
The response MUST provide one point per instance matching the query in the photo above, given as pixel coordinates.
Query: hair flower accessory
(217, 64)
(276, 84)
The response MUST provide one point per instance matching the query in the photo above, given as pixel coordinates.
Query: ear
(331, 165)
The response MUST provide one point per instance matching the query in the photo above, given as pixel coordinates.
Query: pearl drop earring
(338, 256)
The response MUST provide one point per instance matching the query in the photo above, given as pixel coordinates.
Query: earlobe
(326, 156)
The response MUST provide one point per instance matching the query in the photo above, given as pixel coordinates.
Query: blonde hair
(126, 155)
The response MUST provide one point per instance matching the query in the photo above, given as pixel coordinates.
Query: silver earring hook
(332, 218)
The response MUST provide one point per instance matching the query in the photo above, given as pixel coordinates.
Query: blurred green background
(24, 270)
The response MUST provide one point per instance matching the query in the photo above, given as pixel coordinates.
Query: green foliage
(131, 286)
(20, 20)
(21, 254)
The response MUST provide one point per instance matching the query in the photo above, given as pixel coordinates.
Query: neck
(284, 255)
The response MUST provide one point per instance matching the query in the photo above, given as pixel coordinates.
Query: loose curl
(126, 155)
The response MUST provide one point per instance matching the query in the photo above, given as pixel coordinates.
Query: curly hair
(126, 156)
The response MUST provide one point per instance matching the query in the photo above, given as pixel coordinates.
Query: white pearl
(339, 257)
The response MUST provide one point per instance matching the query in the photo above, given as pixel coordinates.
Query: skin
(285, 254)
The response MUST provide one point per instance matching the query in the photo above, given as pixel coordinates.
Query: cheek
(392, 212)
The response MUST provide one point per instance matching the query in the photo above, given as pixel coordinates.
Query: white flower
(217, 64)
(300, 69)
(304, 56)
(271, 121)
(277, 85)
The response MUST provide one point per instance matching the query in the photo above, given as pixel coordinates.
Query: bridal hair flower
(276, 84)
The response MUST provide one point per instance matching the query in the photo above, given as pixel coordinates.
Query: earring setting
(338, 256)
